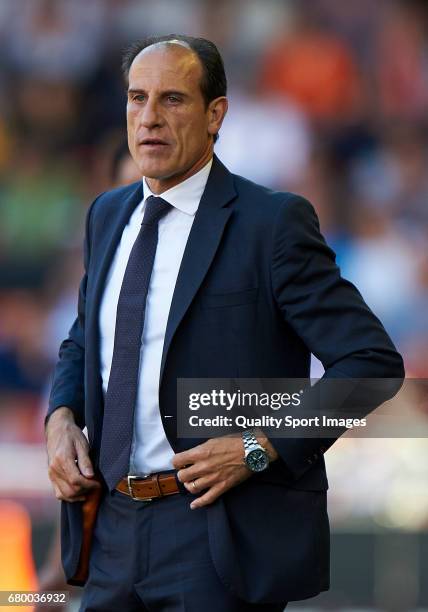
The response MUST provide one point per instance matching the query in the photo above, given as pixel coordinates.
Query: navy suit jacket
(258, 291)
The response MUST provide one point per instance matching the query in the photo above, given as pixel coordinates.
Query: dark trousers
(154, 557)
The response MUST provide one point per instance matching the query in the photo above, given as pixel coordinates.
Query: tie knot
(155, 209)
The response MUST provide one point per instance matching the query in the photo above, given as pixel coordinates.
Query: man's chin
(159, 173)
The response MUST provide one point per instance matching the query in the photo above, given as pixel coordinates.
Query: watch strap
(250, 440)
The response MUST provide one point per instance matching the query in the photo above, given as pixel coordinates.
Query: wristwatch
(256, 457)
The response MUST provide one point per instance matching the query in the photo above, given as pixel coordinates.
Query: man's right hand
(70, 468)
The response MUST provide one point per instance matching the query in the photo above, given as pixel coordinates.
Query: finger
(71, 499)
(190, 456)
(200, 484)
(192, 472)
(79, 486)
(63, 489)
(78, 481)
(65, 463)
(74, 485)
(208, 498)
(83, 461)
(72, 474)
(66, 493)
(57, 491)
(59, 480)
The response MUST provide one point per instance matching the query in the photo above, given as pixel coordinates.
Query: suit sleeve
(330, 316)
(68, 378)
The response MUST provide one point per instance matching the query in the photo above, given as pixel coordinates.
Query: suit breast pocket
(225, 300)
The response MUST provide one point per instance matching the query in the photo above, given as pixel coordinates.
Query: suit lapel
(112, 232)
(204, 239)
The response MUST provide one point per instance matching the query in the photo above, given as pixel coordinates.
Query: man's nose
(150, 114)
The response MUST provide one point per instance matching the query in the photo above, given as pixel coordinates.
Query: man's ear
(217, 110)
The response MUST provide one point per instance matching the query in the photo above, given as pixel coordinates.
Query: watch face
(257, 460)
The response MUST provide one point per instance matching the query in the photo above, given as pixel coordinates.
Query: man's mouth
(153, 142)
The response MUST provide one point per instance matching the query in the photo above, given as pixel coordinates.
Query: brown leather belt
(147, 488)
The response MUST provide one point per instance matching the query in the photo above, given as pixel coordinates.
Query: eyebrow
(171, 92)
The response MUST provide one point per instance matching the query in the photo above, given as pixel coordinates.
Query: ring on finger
(194, 485)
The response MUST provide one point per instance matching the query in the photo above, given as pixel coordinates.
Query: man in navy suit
(197, 273)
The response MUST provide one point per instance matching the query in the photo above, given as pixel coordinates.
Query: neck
(158, 186)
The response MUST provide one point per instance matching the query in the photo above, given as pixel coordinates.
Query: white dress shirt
(151, 451)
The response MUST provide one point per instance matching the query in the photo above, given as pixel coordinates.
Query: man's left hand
(214, 467)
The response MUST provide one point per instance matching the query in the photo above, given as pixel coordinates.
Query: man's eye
(138, 98)
(173, 99)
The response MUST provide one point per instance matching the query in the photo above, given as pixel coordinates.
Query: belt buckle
(130, 478)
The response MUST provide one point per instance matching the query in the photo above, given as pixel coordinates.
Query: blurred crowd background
(328, 99)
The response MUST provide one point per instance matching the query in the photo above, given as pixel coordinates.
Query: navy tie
(121, 396)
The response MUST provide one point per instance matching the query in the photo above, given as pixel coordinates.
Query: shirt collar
(186, 195)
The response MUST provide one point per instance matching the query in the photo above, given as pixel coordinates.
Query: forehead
(165, 64)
